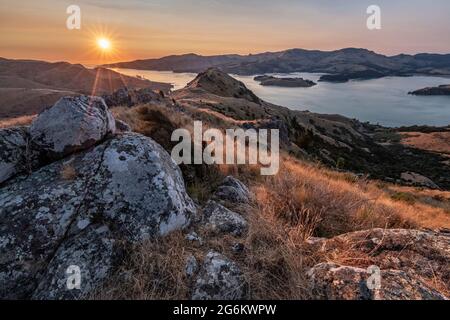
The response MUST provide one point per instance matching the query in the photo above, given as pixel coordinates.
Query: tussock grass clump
(154, 270)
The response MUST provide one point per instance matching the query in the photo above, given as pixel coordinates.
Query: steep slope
(333, 139)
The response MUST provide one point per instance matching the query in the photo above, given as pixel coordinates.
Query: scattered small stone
(194, 237)
(221, 219)
(191, 266)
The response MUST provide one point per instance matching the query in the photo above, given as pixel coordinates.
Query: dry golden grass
(434, 141)
(155, 270)
(324, 205)
(303, 200)
(16, 122)
(68, 172)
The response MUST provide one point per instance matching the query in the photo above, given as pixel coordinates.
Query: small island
(357, 75)
(284, 82)
(443, 90)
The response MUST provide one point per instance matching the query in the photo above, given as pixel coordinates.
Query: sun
(104, 44)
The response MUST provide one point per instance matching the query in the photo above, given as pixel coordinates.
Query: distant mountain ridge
(349, 63)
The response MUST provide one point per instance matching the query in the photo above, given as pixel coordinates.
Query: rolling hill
(28, 86)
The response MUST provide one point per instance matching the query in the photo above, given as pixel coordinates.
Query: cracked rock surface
(82, 210)
(409, 261)
(219, 279)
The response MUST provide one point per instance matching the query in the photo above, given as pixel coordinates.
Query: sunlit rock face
(72, 124)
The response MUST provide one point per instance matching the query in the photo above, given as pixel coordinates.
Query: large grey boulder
(81, 210)
(72, 124)
(219, 279)
(222, 220)
(15, 154)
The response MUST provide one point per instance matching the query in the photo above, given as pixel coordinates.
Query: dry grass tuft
(16, 122)
(68, 172)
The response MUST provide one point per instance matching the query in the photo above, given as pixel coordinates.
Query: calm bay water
(384, 101)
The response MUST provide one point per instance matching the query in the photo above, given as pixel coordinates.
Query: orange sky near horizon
(140, 29)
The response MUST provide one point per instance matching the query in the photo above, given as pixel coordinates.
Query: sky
(140, 29)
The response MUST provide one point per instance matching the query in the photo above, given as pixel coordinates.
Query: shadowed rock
(232, 190)
(416, 179)
(16, 157)
(222, 220)
(122, 126)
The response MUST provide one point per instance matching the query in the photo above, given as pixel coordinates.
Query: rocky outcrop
(72, 124)
(410, 262)
(233, 191)
(222, 220)
(84, 209)
(335, 282)
(219, 279)
(419, 180)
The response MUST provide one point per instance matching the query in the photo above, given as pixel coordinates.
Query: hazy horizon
(141, 29)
